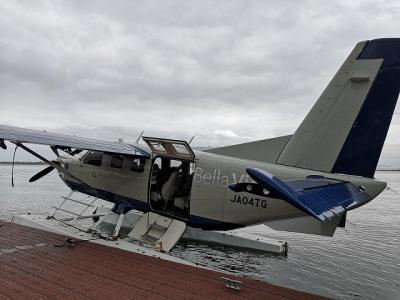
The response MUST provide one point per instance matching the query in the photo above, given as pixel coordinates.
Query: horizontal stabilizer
(267, 150)
(317, 196)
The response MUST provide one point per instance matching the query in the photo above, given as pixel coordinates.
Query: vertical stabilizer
(345, 130)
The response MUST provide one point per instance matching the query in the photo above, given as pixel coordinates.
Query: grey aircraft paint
(212, 202)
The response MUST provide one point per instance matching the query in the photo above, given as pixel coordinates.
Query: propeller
(43, 172)
(58, 161)
(55, 150)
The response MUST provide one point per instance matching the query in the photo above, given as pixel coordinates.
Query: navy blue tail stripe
(363, 146)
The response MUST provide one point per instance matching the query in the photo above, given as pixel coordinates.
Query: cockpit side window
(137, 165)
(93, 158)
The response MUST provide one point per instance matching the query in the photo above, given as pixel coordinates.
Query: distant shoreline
(35, 163)
(22, 163)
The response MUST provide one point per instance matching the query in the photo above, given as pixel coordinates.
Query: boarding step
(149, 239)
(158, 231)
(158, 227)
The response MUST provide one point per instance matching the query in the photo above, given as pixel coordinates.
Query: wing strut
(18, 144)
(12, 168)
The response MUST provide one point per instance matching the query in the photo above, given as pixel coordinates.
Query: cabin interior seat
(171, 186)
(155, 196)
(181, 202)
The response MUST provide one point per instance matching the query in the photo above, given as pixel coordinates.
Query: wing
(23, 135)
(317, 196)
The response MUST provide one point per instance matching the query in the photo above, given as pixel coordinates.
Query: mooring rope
(69, 242)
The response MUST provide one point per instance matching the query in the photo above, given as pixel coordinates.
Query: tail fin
(345, 130)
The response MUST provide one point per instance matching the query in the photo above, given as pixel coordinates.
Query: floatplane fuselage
(209, 202)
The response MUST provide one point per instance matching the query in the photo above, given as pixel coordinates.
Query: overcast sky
(225, 71)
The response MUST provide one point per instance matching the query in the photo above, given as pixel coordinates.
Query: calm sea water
(362, 262)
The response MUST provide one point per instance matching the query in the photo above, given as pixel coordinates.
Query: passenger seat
(171, 186)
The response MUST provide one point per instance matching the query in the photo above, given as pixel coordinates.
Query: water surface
(362, 262)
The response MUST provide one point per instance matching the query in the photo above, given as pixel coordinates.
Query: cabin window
(93, 158)
(116, 161)
(137, 165)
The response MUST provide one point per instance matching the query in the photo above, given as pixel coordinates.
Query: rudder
(362, 149)
(345, 130)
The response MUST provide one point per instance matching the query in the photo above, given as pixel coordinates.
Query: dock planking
(31, 267)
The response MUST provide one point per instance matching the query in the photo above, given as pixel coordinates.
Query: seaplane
(304, 182)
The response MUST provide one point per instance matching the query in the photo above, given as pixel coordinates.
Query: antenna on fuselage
(139, 137)
(191, 140)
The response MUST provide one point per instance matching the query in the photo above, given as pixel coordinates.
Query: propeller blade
(42, 173)
(55, 150)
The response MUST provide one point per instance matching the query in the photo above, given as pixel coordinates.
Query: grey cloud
(177, 68)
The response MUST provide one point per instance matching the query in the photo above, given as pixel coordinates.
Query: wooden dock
(32, 267)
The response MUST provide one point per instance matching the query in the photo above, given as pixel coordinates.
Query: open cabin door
(171, 177)
(175, 149)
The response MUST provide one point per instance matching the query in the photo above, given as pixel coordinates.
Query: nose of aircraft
(61, 161)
